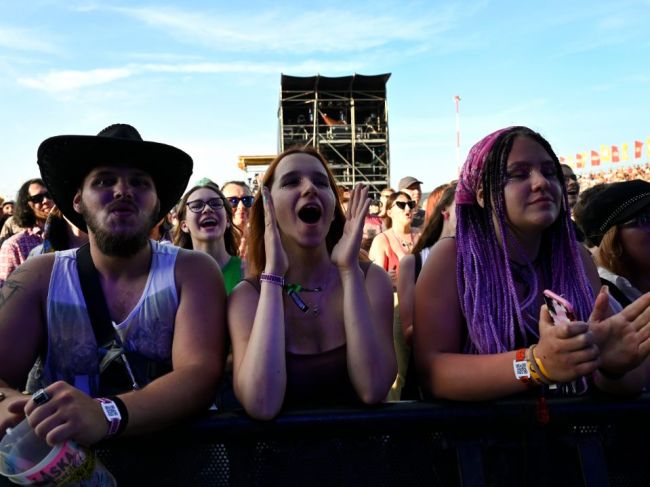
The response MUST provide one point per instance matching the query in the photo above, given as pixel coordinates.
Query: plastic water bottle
(26, 459)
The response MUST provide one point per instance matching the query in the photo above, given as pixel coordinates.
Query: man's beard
(119, 244)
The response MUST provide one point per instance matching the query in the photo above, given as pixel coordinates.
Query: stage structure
(345, 118)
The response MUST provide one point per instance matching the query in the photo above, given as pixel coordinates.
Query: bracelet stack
(529, 369)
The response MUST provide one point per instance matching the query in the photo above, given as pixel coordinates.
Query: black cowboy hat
(65, 160)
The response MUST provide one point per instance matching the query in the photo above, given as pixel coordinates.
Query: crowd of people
(129, 302)
(615, 175)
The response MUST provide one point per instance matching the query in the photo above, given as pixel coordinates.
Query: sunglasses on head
(197, 206)
(247, 201)
(403, 204)
(639, 221)
(38, 198)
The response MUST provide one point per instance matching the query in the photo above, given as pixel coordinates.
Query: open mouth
(572, 192)
(208, 223)
(309, 214)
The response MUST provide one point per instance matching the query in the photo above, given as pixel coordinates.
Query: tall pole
(457, 102)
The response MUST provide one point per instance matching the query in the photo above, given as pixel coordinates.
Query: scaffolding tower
(345, 118)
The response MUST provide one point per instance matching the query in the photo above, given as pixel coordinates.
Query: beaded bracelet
(272, 278)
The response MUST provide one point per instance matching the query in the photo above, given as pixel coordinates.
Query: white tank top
(72, 353)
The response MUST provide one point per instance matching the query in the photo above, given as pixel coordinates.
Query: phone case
(560, 309)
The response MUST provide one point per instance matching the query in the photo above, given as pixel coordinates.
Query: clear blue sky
(205, 75)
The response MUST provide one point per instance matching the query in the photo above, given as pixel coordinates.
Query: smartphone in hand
(560, 309)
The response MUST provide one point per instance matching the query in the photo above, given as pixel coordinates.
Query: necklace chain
(404, 243)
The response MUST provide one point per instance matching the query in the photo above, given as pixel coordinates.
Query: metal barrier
(593, 441)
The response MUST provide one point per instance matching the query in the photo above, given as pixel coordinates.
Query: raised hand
(624, 338)
(276, 258)
(345, 254)
(566, 350)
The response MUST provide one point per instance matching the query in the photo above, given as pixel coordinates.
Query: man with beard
(166, 305)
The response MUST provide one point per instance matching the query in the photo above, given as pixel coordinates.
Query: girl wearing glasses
(310, 325)
(482, 330)
(206, 224)
(398, 240)
(619, 218)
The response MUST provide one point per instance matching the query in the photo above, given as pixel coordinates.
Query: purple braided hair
(495, 317)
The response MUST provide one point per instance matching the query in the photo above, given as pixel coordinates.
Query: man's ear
(480, 197)
(76, 202)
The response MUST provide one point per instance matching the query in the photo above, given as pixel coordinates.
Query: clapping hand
(276, 258)
(345, 254)
(624, 338)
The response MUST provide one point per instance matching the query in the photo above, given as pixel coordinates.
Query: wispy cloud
(324, 31)
(71, 80)
(60, 81)
(25, 40)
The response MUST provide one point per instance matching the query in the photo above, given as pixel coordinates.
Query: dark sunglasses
(403, 204)
(639, 221)
(247, 201)
(571, 176)
(197, 206)
(38, 198)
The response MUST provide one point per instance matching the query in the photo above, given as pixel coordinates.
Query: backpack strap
(94, 296)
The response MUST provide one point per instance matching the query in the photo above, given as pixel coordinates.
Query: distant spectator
(572, 185)
(591, 242)
(32, 208)
(240, 198)
(59, 233)
(619, 217)
(413, 187)
(8, 208)
(432, 201)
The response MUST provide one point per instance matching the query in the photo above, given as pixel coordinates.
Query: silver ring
(40, 397)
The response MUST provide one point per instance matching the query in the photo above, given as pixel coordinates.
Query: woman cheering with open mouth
(312, 325)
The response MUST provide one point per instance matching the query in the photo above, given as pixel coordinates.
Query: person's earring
(445, 215)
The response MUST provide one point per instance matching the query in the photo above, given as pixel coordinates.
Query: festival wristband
(112, 414)
(272, 278)
(521, 368)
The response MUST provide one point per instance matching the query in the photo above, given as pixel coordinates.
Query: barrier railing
(589, 441)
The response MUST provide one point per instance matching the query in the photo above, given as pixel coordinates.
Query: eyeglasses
(403, 204)
(571, 176)
(197, 206)
(247, 201)
(640, 221)
(38, 198)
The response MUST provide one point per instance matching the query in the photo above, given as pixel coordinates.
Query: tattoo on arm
(11, 287)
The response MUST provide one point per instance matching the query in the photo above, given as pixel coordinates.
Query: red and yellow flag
(595, 158)
(615, 155)
(625, 151)
(604, 153)
(638, 149)
(580, 163)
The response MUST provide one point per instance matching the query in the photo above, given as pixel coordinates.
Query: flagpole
(457, 102)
